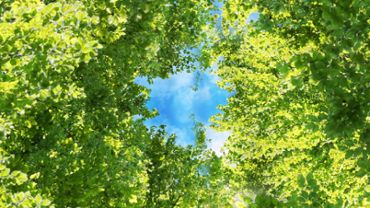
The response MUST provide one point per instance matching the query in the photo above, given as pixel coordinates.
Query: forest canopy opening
(73, 129)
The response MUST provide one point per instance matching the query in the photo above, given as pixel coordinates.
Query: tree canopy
(72, 130)
(300, 109)
(68, 100)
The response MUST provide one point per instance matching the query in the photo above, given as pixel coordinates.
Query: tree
(184, 176)
(300, 108)
(67, 96)
(17, 190)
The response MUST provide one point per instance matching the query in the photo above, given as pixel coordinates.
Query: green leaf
(19, 177)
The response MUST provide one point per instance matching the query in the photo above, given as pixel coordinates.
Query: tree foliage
(72, 130)
(300, 106)
(184, 176)
(68, 98)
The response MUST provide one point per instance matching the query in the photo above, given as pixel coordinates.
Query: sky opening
(187, 97)
(184, 98)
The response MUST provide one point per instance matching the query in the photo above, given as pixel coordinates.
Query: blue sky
(177, 102)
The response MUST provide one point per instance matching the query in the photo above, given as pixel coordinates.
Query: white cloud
(177, 82)
(182, 80)
(217, 139)
(183, 137)
(178, 91)
(203, 93)
(214, 79)
(211, 74)
(165, 87)
(177, 101)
